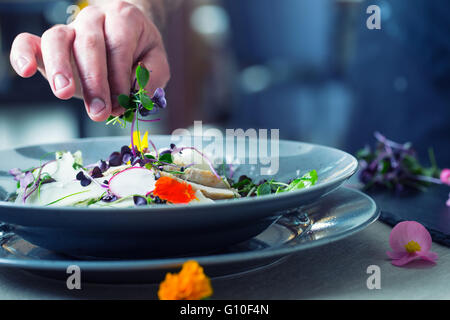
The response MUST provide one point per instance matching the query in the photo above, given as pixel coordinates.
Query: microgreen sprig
(246, 187)
(138, 101)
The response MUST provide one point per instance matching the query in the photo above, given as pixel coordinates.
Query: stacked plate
(141, 244)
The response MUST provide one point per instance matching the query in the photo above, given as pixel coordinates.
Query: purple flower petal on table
(429, 256)
(407, 231)
(410, 240)
(404, 260)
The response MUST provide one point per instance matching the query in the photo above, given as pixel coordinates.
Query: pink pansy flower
(448, 201)
(445, 176)
(409, 241)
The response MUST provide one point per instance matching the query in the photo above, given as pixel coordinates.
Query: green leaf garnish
(305, 181)
(166, 157)
(142, 76)
(89, 201)
(70, 195)
(124, 101)
(147, 103)
(264, 189)
(128, 115)
(244, 186)
(77, 166)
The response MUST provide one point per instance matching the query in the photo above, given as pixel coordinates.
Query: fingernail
(60, 81)
(97, 105)
(22, 62)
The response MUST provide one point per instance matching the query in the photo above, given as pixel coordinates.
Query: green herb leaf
(244, 185)
(264, 189)
(147, 103)
(124, 101)
(148, 166)
(128, 115)
(150, 200)
(142, 76)
(166, 157)
(77, 166)
(238, 185)
(89, 201)
(305, 181)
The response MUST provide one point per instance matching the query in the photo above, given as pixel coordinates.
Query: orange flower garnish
(173, 191)
(190, 284)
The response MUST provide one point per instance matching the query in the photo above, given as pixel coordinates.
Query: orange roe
(173, 191)
(190, 283)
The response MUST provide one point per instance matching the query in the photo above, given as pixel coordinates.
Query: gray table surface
(334, 271)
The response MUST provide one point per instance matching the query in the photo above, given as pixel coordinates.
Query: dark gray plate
(338, 215)
(162, 231)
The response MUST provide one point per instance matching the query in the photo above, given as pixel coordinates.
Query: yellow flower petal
(144, 141)
(140, 143)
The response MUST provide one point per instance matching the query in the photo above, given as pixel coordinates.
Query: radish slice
(132, 181)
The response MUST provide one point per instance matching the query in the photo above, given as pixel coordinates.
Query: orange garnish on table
(173, 191)
(190, 283)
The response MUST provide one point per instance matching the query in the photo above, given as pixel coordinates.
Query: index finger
(90, 56)
(26, 56)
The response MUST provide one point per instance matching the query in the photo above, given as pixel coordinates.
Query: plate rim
(128, 265)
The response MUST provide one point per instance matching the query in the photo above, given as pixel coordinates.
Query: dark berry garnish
(115, 159)
(140, 201)
(96, 173)
(80, 176)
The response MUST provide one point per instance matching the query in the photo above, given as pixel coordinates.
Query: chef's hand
(95, 56)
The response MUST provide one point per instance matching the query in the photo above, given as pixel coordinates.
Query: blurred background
(308, 67)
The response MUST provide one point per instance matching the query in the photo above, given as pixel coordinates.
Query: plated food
(141, 178)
